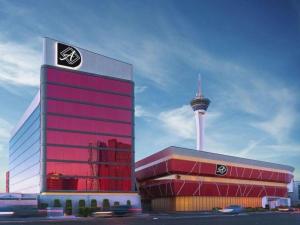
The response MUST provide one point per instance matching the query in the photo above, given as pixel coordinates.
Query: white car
(234, 209)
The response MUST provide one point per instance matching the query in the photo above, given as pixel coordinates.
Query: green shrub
(94, 206)
(105, 204)
(128, 203)
(56, 203)
(93, 203)
(116, 203)
(43, 205)
(68, 209)
(85, 211)
(81, 207)
(81, 203)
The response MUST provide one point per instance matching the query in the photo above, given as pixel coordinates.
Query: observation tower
(200, 104)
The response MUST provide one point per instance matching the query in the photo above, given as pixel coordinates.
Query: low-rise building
(180, 179)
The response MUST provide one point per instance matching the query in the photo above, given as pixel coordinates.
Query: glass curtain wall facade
(24, 156)
(88, 132)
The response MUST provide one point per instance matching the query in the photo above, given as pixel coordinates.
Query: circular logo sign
(221, 170)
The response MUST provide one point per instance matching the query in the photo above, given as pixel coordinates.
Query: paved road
(245, 219)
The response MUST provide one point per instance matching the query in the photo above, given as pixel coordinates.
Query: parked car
(232, 209)
(285, 209)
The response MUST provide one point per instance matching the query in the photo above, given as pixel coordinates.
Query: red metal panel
(177, 166)
(171, 188)
(152, 158)
(7, 181)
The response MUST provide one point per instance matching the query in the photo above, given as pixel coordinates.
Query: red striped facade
(165, 174)
(177, 166)
(171, 188)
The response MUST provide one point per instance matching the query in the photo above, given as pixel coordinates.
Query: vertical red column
(7, 181)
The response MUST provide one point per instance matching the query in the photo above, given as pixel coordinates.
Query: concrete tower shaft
(200, 105)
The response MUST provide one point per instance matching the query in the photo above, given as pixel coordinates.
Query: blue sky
(248, 53)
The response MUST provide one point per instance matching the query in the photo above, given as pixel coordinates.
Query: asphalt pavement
(170, 219)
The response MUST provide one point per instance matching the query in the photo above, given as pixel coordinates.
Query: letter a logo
(68, 56)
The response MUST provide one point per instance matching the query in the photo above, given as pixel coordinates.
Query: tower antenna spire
(199, 93)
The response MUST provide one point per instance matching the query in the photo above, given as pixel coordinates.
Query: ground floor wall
(201, 203)
(122, 198)
(9, 200)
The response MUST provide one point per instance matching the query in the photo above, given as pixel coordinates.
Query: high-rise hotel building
(77, 135)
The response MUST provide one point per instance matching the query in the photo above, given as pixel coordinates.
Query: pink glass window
(68, 108)
(89, 154)
(86, 96)
(87, 169)
(80, 139)
(89, 81)
(76, 124)
(56, 182)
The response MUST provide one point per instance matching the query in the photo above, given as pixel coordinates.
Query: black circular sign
(221, 170)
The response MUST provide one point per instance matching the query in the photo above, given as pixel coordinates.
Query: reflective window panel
(88, 111)
(57, 183)
(88, 169)
(24, 158)
(88, 154)
(76, 124)
(87, 96)
(89, 132)
(89, 81)
(81, 139)
(35, 116)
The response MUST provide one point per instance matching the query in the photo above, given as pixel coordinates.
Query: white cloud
(140, 111)
(280, 153)
(150, 60)
(19, 64)
(279, 126)
(140, 89)
(5, 128)
(181, 122)
(251, 145)
(277, 111)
